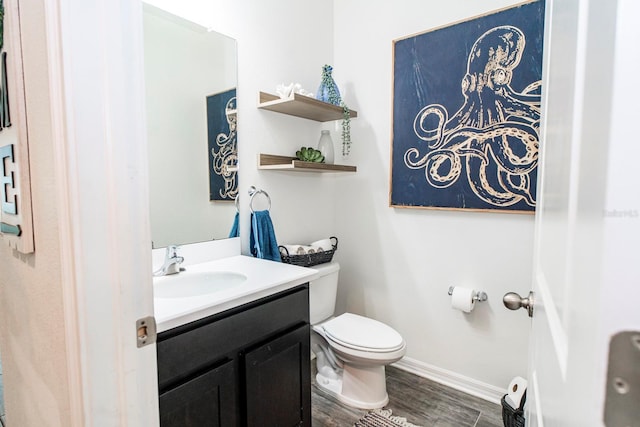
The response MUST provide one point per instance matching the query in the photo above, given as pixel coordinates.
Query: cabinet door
(208, 400)
(278, 381)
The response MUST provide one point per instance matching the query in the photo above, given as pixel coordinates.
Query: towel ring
(237, 199)
(252, 192)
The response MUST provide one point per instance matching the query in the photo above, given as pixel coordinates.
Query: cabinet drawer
(204, 342)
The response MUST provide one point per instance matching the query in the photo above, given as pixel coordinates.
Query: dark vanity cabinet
(248, 366)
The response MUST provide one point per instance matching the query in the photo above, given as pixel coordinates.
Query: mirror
(190, 79)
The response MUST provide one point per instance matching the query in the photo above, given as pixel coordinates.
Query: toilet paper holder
(478, 295)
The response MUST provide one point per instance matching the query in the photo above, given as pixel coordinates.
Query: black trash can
(513, 417)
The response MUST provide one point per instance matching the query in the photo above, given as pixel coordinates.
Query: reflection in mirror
(190, 79)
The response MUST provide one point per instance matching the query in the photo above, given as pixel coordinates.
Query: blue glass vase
(328, 90)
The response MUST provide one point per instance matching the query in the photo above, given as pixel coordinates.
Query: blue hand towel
(263, 237)
(235, 228)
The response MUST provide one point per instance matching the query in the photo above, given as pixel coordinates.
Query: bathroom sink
(192, 284)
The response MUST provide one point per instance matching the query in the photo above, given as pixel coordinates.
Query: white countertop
(263, 278)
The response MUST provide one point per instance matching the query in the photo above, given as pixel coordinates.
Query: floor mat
(382, 418)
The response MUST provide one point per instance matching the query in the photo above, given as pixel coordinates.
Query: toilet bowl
(351, 350)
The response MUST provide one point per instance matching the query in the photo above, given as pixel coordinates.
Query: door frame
(95, 56)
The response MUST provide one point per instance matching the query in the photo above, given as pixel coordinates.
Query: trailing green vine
(346, 130)
(333, 97)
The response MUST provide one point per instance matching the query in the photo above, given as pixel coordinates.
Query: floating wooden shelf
(302, 106)
(274, 162)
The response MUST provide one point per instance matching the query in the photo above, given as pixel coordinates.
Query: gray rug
(382, 418)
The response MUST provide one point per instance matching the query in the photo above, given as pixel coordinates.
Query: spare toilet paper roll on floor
(517, 387)
(462, 299)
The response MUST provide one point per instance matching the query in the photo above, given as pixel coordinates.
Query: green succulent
(309, 154)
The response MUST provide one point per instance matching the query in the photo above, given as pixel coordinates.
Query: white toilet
(351, 351)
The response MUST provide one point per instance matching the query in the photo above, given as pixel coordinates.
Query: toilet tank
(322, 292)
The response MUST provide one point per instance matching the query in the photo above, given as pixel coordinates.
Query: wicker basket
(512, 417)
(307, 260)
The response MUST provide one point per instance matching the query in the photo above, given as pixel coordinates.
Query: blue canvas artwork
(466, 113)
(223, 145)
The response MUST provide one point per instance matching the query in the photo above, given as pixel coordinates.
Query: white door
(587, 246)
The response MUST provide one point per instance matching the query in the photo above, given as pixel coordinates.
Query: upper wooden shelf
(272, 161)
(302, 106)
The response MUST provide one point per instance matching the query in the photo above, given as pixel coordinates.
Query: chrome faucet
(171, 262)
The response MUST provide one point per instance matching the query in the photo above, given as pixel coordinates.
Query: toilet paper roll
(295, 249)
(325, 244)
(517, 387)
(462, 299)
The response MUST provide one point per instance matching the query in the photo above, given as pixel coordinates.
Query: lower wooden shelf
(274, 162)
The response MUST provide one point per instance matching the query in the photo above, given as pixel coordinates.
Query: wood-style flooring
(421, 401)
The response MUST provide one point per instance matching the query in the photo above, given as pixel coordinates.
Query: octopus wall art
(466, 114)
(223, 145)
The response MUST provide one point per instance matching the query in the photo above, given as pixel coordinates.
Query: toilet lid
(362, 333)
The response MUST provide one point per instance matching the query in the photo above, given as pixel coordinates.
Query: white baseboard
(451, 379)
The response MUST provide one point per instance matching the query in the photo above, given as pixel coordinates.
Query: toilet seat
(363, 334)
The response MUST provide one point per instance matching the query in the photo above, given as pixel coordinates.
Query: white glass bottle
(325, 145)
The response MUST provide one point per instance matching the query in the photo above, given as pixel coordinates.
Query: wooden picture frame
(466, 113)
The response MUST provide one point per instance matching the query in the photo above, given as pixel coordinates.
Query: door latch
(621, 407)
(146, 331)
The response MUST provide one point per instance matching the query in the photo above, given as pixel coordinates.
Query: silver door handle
(513, 301)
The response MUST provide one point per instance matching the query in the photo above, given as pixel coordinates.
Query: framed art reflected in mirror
(223, 145)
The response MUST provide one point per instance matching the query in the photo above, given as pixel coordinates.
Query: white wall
(399, 263)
